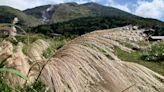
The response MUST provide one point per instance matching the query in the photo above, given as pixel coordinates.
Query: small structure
(135, 27)
(125, 28)
(156, 38)
(55, 35)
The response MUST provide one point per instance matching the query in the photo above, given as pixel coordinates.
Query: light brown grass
(82, 66)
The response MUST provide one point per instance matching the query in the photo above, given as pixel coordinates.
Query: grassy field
(58, 42)
(136, 58)
(55, 44)
(27, 40)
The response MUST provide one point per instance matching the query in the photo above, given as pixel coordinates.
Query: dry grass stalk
(82, 66)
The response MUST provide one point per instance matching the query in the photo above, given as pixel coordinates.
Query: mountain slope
(73, 18)
(88, 24)
(7, 14)
(69, 11)
(37, 11)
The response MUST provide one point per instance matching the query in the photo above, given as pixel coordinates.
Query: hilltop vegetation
(70, 11)
(76, 19)
(84, 25)
(7, 14)
(37, 11)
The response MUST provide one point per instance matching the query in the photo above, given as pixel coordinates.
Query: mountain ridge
(68, 11)
(8, 13)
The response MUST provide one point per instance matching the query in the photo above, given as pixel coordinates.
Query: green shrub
(5, 87)
(55, 44)
(154, 53)
(136, 58)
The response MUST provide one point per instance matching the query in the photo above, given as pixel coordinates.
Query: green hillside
(76, 19)
(70, 11)
(7, 14)
(88, 24)
(37, 11)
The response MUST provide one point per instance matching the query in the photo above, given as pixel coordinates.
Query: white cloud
(81, 1)
(117, 5)
(24, 4)
(144, 8)
(93, 0)
(153, 9)
(122, 7)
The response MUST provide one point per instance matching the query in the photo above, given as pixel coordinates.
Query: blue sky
(144, 8)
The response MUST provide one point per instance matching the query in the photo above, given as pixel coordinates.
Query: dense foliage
(136, 58)
(159, 30)
(7, 14)
(84, 25)
(154, 53)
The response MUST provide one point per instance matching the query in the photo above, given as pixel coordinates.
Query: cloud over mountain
(154, 9)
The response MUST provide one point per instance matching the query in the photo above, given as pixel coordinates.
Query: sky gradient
(144, 8)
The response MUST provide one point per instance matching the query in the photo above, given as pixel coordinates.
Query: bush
(55, 44)
(154, 53)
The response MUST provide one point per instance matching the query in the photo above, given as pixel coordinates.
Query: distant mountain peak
(69, 11)
(91, 3)
(72, 3)
(8, 13)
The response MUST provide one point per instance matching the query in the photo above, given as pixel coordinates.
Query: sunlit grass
(136, 58)
(55, 44)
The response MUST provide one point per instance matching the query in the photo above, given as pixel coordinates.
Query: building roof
(157, 37)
